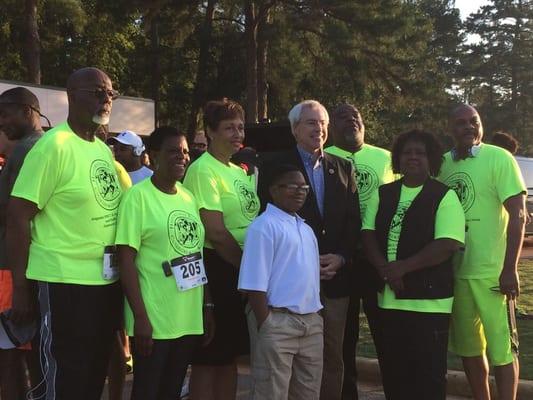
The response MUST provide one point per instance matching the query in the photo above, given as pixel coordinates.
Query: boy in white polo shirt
(280, 272)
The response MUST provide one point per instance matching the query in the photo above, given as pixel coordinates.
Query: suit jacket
(338, 230)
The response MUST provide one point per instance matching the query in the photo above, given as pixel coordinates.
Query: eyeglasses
(101, 94)
(199, 145)
(292, 187)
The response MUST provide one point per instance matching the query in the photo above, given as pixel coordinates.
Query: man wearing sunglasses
(198, 145)
(128, 148)
(61, 225)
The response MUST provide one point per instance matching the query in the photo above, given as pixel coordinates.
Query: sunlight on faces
(229, 135)
(173, 157)
(289, 191)
(91, 96)
(348, 125)
(414, 160)
(101, 119)
(466, 127)
(311, 131)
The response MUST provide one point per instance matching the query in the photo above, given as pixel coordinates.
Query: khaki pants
(334, 313)
(286, 356)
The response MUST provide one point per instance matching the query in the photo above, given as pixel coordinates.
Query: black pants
(160, 375)
(415, 346)
(78, 325)
(365, 283)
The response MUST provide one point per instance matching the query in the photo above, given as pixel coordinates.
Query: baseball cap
(129, 138)
(11, 335)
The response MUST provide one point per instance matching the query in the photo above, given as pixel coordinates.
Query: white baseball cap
(129, 138)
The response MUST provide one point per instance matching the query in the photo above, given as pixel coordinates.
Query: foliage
(403, 63)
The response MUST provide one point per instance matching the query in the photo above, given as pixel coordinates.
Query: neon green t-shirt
(75, 186)
(162, 227)
(449, 223)
(482, 184)
(372, 167)
(123, 177)
(225, 188)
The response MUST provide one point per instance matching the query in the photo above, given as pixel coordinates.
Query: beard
(101, 119)
(353, 139)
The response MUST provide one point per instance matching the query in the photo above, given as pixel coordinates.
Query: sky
(469, 6)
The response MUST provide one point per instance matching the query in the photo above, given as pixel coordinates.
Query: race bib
(188, 271)
(110, 264)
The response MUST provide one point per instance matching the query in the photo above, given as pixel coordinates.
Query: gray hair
(296, 111)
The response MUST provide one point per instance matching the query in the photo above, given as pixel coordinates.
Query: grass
(525, 327)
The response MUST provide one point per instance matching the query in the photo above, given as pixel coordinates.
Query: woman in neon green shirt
(159, 246)
(411, 229)
(228, 203)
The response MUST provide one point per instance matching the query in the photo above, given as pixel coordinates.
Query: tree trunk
(156, 66)
(250, 33)
(516, 61)
(32, 43)
(200, 87)
(262, 58)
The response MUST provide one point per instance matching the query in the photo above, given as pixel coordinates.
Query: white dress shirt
(281, 258)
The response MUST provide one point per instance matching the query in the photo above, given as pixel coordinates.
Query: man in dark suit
(332, 211)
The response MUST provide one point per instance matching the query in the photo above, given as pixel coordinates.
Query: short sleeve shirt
(372, 167)
(483, 183)
(123, 177)
(162, 227)
(281, 258)
(449, 223)
(8, 175)
(225, 188)
(140, 174)
(75, 186)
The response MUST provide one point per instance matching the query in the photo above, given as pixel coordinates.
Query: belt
(287, 311)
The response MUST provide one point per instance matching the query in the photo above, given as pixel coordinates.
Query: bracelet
(209, 305)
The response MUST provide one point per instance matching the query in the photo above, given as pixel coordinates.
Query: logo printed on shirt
(367, 180)
(183, 231)
(247, 198)
(396, 226)
(463, 186)
(105, 184)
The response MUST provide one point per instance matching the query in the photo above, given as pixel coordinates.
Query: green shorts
(481, 322)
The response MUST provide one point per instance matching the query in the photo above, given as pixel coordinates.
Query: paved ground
(367, 391)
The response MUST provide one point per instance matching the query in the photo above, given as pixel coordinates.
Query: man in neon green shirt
(372, 168)
(490, 187)
(61, 225)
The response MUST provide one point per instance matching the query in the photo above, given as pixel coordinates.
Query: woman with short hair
(159, 242)
(411, 229)
(228, 203)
